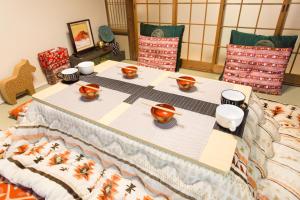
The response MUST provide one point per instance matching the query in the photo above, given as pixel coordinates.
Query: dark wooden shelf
(96, 55)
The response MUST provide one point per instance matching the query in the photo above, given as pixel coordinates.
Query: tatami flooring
(290, 95)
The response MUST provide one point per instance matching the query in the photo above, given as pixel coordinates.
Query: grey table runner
(137, 91)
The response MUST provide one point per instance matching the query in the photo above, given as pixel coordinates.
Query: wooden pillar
(132, 29)
(218, 35)
(174, 12)
(282, 17)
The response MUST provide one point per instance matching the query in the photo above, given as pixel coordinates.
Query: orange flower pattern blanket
(54, 171)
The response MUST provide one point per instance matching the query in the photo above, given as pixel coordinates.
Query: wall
(32, 26)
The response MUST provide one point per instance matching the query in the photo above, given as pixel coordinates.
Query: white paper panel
(293, 17)
(185, 37)
(249, 15)
(184, 48)
(153, 12)
(141, 11)
(226, 32)
(265, 32)
(212, 13)
(199, 1)
(222, 56)
(296, 68)
(183, 14)
(274, 1)
(166, 13)
(233, 1)
(153, 1)
(195, 52)
(198, 13)
(269, 16)
(246, 30)
(184, 1)
(141, 1)
(166, 1)
(196, 33)
(207, 53)
(252, 1)
(290, 63)
(138, 28)
(231, 15)
(210, 34)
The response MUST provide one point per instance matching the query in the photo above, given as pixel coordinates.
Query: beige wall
(32, 26)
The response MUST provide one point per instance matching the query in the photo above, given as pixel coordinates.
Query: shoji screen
(157, 12)
(292, 27)
(200, 18)
(116, 15)
(208, 24)
(251, 16)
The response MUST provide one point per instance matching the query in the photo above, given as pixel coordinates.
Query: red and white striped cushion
(260, 67)
(159, 53)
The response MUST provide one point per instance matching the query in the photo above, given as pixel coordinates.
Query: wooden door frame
(131, 28)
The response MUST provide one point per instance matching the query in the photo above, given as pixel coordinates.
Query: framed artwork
(81, 35)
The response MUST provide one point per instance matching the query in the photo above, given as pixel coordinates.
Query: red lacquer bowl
(160, 115)
(186, 84)
(89, 93)
(129, 71)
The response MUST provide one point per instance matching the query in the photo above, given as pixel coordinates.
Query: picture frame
(81, 35)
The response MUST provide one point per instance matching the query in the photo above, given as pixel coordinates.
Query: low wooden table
(193, 137)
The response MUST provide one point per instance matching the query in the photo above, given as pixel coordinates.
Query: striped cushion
(159, 53)
(260, 67)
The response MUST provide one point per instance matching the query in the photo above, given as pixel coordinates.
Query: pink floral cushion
(262, 68)
(159, 53)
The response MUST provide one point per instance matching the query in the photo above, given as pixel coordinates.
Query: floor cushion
(159, 53)
(265, 142)
(165, 31)
(9, 191)
(272, 127)
(249, 39)
(258, 158)
(270, 190)
(282, 181)
(262, 68)
(16, 111)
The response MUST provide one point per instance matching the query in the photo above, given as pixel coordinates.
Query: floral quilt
(55, 171)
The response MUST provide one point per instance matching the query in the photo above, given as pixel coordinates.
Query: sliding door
(208, 24)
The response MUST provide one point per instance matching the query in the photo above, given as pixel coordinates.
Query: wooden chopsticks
(162, 108)
(183, 79)
(90, 87)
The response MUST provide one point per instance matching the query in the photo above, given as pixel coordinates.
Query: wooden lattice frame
(213, 66)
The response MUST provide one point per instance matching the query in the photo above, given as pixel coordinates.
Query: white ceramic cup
(86, 67)
(229, 116)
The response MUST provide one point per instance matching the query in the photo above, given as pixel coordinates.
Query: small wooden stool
(20, 81)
